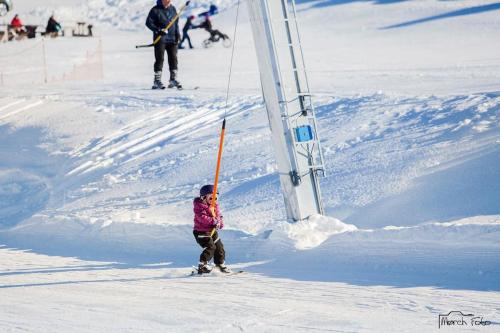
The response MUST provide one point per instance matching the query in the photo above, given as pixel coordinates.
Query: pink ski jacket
(203, 220)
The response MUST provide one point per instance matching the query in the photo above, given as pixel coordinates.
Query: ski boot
(223, 268)
(173, 83)
(203, 268)
(157, 84)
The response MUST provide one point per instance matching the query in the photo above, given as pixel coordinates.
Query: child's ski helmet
(206, 189)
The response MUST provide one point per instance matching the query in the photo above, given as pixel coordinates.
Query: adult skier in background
(206, 224)
(158, 18)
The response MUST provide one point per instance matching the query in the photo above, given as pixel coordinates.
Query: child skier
(205, 228)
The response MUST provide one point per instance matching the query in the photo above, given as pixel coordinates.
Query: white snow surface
(97, 176)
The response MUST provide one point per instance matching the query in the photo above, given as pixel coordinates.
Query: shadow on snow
(357, 258)
(455, 13)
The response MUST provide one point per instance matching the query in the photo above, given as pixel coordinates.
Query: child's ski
(233, 273)
(194, 272)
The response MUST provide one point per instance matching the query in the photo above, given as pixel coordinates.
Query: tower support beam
(289, 106)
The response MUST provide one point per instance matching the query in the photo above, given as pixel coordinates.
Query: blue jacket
(210, 12)
(158, 18)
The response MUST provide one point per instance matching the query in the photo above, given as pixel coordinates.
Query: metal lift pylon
(288, 101)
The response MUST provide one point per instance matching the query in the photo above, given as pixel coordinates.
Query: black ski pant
(212, 247)
(160, 49)
(185, 36)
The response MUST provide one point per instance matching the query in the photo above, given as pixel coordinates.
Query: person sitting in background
(53, 27)
(17, 25)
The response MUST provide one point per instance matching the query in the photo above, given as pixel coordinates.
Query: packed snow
(98, 174)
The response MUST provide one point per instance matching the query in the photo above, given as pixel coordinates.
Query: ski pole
(176, 17)
(217, 170)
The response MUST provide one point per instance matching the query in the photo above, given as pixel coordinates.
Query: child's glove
(216, 223)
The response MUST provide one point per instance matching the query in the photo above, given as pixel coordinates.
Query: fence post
(44, 61)
(101, 64)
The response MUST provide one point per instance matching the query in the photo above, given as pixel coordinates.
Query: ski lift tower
(288, 100)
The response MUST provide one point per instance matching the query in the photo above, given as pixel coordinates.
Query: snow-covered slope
(97, 176)
(122, 14)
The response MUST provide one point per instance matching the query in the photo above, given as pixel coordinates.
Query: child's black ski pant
(212, 247)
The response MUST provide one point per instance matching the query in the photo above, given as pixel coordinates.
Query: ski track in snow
(17, 111)
(116, 148)
(8, 105)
